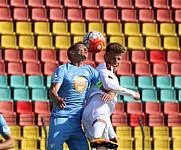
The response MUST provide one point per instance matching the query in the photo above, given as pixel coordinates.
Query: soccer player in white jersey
(96, 115)
(6, 134)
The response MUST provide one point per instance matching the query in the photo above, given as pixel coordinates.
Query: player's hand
(137, 96)
(61, 103)
(106, 97)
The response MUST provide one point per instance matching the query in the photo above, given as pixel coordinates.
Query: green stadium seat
(36, 82)
(164, 82)
(17, 81)
(179, 96)
(40, 94)
(177, 82)
(149, 95)
(48, 81)
(128, 82)
(4, 81)
(5, 94)
(167, 95)
(128, 99)
(145, 82)
(21, 95)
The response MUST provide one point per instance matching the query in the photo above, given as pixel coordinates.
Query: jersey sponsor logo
(80, 84)
(6, 129)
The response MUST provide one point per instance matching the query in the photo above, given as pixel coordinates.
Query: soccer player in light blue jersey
(6, 134)
(69, 86)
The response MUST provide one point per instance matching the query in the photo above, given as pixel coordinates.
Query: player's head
(114, 53)
(77, 51)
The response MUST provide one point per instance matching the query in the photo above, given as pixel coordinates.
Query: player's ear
(71, 52)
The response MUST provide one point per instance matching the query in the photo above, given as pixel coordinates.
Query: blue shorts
(66, 130)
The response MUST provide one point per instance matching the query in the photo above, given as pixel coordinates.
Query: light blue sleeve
(58, 75)
(4, 129)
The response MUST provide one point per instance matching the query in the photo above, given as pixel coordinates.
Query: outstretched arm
(8, 143)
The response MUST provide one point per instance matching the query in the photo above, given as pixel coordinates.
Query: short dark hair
(74, 46)
(115, 47)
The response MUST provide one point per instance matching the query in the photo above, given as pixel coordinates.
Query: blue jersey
(4, 129)
(75, 82)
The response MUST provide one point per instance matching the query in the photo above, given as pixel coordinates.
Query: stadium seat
(90, 4)
(49, 68)
(153, 43)
(41, 107)
(171, 108)
(39, 94)
(139, 144)
(160, 144)
(4, 3)
(10, 119)
(171, 43)
(164, 15)
(23, 107)
(124, 132)
(135, 42)
(72, 4)
(150, 29)
(77, 28)
(21, 94)
(57, 14)
(125, 143)
(21, 14)
(161, 4)
(7, 107)
(42, 28)
(119, 108)
(124, 4)
(125, 69)
(9, 41)
(178, 16)
(54, 4)
(157, 56)
(4, 81)
(160, 69)
(168, 29)
(48, 81)
(48, 56)
(146, 15)
(114, 29)
(15, 68)
(30, 55)
(28, 143)
(46, 119)
(12, 55)
(77, 38)
(160, 132)
(111, 15)
(19, 3)
(138, 133)
(176, 144)
(168, 95)
(62, 42)
(176, 132)
(39, 14)
(1, 56)
(164, 82)
(33, 69)
(36, 4)
(134, 120)
(5, 94)
(15, 131)
(156, 120)
(175, 4)
(45, 42)
(142, 69)
(31, 132)
(74, 14)
(177, 81)
(24, 28)
(128, 82)
(27, 42)
(96, 26)
(120, 39)
(175, 69)
(92, 15)
(145, 82)
(18, 81)
(135, 108)
(119, 120)
(139, 56)
(7, 27)
(149, 95)
(132, 29)
(5, 14)
(174, 56)
(2, 68)
(142, 4)
(107, 4)
(35, 82)
(60, 28)
(63, 56)
(129, 15)
(153, 108)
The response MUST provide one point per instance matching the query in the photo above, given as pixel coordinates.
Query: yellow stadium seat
(138, 133)
(31, 132)
(124, 132)
(176, 132)
(153, 42)
(161, 144)
(96, 26)
(135, 42)
(139, 144)
(179, 29)
(62, 42)
(132, 29)
(167, 29)
(16, 132)
(114, 29)
(150, 29)
(171, 43)
(45, 42)
(9, 41)
(77, 38)
(126, 144)
(24, 28)
(60, 28)
(27, 42)
(176, 144)
(43, 132)
(77, 28)
(161, 132)
(6, 28)
(120, 39)
(29, 144)
(42, 144)
(42, 28)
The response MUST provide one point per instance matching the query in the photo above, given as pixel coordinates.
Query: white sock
(98, 129)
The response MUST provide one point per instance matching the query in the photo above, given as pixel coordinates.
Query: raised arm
(8, 143)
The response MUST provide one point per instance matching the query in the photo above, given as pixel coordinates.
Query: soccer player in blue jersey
(6, 134)
(69, 86)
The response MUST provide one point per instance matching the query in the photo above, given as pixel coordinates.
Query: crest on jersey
(80, 84)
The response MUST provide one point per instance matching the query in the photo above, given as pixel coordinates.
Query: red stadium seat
(164, 15)
(2, 68)
(4, 3)
(161, 4)
(72, 4)
(54, 4)
(90, 4)
(19, 3)
(171, 108)
(30, 56)
(146, 15)
(1, 57)
(178, 15)
(119, 108)
(156, 120)
(23, 107)
(124, 4)
(175, 69)
(6, 107)
(92, 15)
(48, 56)
(157, 56)
(37, 3)
(39, 14)
(125, 69)
(15, 68)
(126, 57)
(41, 107)
(75, 14)
(173, 120)
(119, 120)
(63, 56)
(139, 56)
(49, 68)
(160, 69)
(46, 119)
(111, 15)
(174, 56)
(153, 108)
(143, 4)
(5, 14)
(21, 14)
(26, 120)
(57, 14)
(33, 69)
(142, 69)
(135, 108)
(10, 119)
(134, 120)
(107, 4)
(175, 4)
(129, 15)
(12, 55)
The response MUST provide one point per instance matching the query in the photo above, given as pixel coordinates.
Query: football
(94, 41)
